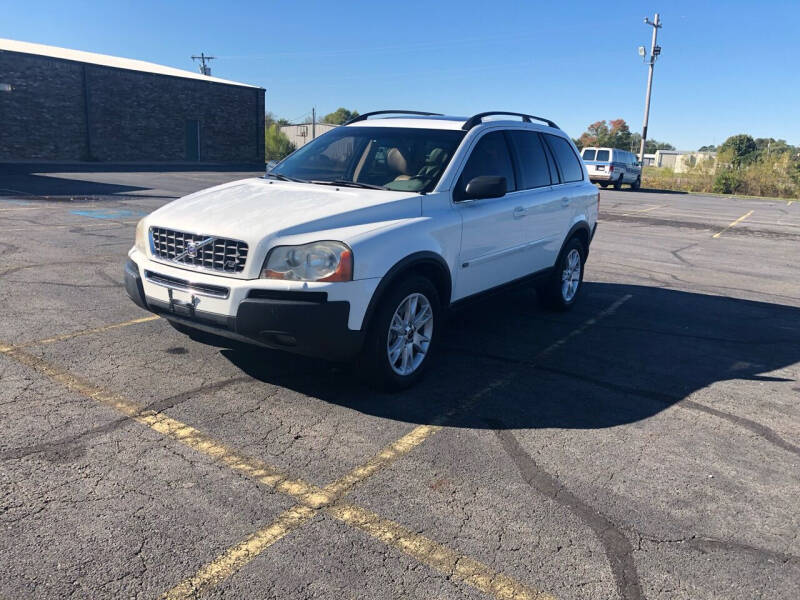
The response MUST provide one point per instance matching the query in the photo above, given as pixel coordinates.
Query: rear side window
(571, 169)
(603, 155)
(489, 157)
(533, 170)
(589, 154)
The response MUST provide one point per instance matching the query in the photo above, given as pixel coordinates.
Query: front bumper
(304, 321)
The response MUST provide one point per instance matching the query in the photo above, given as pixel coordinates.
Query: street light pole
(654, 52)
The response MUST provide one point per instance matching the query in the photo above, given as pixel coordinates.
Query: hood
(252, 209)
(258, 211)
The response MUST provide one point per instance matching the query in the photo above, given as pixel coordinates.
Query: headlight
(141, 237)
(318, 261)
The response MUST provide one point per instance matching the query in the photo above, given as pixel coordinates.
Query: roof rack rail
(476, 119)
(391, 112)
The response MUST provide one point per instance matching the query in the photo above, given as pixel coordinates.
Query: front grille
(202, 251)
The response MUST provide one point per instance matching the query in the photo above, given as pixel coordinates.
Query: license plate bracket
(182, 303)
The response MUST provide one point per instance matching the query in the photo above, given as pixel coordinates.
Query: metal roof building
(68, 105)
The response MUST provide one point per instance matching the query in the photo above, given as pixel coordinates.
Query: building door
(192, 139)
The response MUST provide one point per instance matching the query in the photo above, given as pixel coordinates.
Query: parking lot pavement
(644, 445)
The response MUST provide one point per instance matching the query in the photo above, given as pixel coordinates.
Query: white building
(303, 133)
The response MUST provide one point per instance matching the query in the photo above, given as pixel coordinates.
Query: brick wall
(132, 116)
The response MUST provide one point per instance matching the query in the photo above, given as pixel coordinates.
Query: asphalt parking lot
(644, 445)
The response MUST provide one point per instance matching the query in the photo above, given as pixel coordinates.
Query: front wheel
(561, 289)
(403, 334)
(636, 184)
(618, 183)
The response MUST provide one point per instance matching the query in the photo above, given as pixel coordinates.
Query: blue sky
(726, 67)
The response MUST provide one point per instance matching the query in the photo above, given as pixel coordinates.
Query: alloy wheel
(410, 334)
(571, 275)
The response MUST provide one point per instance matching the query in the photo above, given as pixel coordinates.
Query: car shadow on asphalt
(656, 349)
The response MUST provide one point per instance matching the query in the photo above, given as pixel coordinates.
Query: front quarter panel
(438, 231)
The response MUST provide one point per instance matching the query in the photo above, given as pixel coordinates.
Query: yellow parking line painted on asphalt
(225, 566)
(388, 455)
(643, 210)
(235, 558)
(172, 428)
(739, 220)
(443, 559)
(312, 498)
(238, 556)
(104, 328)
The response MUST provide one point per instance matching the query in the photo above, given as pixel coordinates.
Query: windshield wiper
(286, 178)
(346, 183)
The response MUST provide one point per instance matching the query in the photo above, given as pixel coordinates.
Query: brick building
(60, 104)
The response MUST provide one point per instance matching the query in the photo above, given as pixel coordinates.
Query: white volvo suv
(356, 245)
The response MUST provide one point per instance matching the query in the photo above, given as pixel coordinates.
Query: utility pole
(314, 123)
(204, 68)
(654, 52)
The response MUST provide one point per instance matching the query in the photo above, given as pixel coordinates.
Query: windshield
(392, 158)
(589, 154)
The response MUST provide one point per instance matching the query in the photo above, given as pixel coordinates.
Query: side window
(570, 165)
(533, 169)
(489, 157)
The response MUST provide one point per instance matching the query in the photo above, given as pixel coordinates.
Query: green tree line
(616, 134)
(277, 146)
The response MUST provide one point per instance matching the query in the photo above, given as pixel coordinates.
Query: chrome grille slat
(228, 256)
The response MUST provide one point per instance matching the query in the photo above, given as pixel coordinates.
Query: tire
(390, 362)
(637, 184)
(604, 184)
(555, 294)
(618, 183)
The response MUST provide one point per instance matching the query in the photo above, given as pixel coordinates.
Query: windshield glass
(392, 158)
(602, 155)
(588, 154)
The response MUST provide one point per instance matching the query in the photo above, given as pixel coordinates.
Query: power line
(204, 68)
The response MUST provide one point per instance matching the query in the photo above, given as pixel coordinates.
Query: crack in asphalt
(618, 548)
(666, 399)
(70, 447)
(707, 544)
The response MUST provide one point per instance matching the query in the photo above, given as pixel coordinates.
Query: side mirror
(485, 186)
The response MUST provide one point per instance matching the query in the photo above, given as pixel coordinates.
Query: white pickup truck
(356, 244)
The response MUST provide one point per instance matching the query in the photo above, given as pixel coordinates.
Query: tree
(711, 148)
(739, 150)
(619, 134)
(595, 135)
(270, 118)
(340, 116)
(276, 144)
(613, 134)
(650, 146)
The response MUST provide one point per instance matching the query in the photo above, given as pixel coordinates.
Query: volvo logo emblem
(192, 248)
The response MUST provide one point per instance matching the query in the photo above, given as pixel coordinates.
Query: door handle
(520, 212)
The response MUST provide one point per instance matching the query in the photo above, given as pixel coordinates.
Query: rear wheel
(604, 184)
(562, 288)
(403, 334)
(618, 183)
